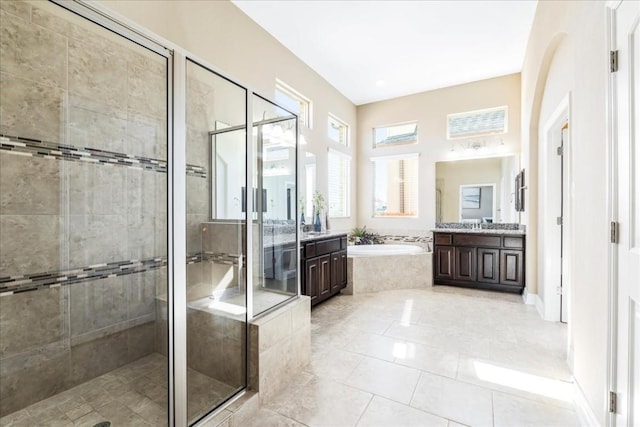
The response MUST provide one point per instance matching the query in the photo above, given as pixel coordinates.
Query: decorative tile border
(17, 284)
(407, 239)
(496, 226)
(51, 150)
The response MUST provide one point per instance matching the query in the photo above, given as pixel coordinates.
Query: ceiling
(375, 50)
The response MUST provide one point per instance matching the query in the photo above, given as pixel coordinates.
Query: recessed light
(380, 83)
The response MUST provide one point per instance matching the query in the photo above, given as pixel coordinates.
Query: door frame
(612, 214)
(552, 307)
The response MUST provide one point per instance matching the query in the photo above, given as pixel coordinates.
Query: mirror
(307, 185)
(228, 158)
(476, 190)
(278, 162)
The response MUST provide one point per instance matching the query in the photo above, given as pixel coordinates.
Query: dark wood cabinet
(465, 266)
(311, 279)
(324, 284)
(325, 272)
(488, 262)
(511, 267)
(479, 260)
(443, 263)
(338, 271)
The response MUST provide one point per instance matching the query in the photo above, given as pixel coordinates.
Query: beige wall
(430, 109)
(569, 38)
(223, 36)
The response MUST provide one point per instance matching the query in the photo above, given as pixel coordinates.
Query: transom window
(395, 184)
(338, 130)
(295, 102)
(402, 133)
(477, 123)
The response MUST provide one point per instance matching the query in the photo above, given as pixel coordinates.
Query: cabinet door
(465, 264)
(343, 272)
(312, 279)
(324, 283)
(338, 271)
(511, 267)
(488, 261)
(443, 268)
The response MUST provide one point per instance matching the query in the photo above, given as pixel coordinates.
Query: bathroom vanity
(323, 265)
(479, 258)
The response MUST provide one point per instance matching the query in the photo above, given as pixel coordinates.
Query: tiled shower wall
(92, 193)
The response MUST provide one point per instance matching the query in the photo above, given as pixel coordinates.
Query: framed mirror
(476, 190)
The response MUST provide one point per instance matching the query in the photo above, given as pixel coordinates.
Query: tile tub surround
(380, 273)
(429, 345)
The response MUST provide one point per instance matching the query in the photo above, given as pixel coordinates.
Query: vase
(317, 225)
(302, 218)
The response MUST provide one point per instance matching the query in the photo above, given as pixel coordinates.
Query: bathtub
(373, 268)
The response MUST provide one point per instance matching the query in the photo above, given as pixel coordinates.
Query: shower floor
(132, 395)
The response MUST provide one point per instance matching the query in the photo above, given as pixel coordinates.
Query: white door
(626, 24)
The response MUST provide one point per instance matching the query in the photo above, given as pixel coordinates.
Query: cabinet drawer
(343, 243)
(516, 242)
(327, 246)
(309, 250)
(443, 239)
(484, 241)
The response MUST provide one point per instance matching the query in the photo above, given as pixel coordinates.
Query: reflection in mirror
(308, 185)
(228, 158)
(476, 190)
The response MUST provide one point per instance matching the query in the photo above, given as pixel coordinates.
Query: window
(395, 184)
(295, 102)
(338, 131)
(339, 179)
(477, 123)
(404, 133)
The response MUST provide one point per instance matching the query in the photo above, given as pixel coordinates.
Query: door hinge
(614, 232)
(560, 151)
(613, 61)
(559, 220)
(613, 400)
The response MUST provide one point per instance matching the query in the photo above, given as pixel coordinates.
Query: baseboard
(528, 298)
(585, 414)
(540, 306)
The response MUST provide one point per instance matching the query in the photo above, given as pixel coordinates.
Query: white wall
(570, 37)
(430, 109)
(219, 33)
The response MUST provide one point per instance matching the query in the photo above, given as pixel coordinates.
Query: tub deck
(388, 272)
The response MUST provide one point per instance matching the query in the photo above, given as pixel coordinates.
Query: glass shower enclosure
(147, 215)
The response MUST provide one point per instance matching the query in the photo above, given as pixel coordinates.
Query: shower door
(83, 220)
(216, 294)
(275, 236)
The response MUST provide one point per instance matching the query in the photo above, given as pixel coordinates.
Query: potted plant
(318, 205)
(360, 236)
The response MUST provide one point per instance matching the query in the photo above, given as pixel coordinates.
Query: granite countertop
(479, 231)
(321, 235)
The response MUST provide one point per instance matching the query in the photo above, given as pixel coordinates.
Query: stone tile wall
(83, 183)
(279, 347)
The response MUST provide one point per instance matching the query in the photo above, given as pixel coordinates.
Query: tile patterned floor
(443, 357)
(130, 396)
(440, 357)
